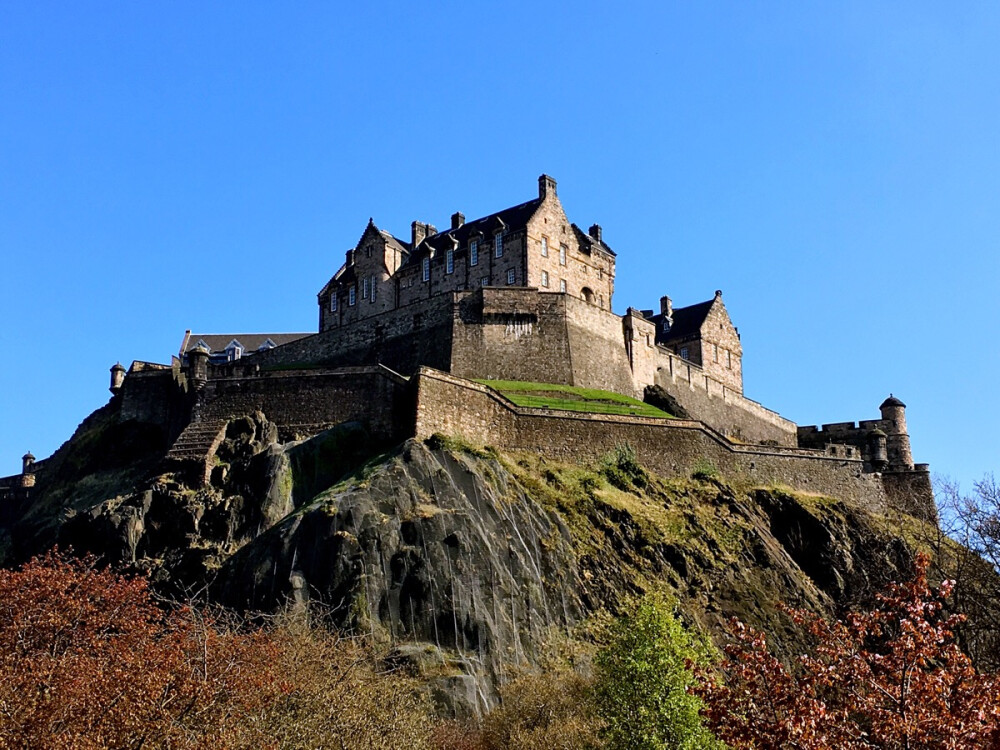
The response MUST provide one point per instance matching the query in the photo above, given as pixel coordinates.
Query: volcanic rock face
(464, 561)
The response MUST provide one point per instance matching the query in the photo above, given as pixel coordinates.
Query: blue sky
(834, 168)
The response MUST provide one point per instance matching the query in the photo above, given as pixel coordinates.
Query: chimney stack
(350, 258)
(667, 311)
(457, 219)
(420, 231)
(595, 232)
(546, 187)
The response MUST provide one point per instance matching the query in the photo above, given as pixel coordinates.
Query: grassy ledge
(573, 398)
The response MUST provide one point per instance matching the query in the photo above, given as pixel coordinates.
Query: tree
(642, 681)
(88, 659)
(892, 677)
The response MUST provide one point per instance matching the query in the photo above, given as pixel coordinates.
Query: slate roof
(512, 219)
(251, 342)
(687, 322)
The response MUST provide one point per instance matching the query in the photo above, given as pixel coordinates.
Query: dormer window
(473, 252)
(268, 344)
(234, 350)
(426, 269)
(498, 244)
(449, 261)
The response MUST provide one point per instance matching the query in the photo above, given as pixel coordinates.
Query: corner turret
(117, 378)
(27, 470)
(897, 439)
(198, 366)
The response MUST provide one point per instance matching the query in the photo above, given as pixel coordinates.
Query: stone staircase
(195, 446)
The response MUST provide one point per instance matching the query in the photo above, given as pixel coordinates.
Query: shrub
(621, 468)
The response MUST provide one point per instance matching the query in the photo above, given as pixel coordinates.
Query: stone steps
(196, 444)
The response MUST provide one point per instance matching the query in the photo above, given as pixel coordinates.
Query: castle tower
(877, 451)
(117, 378)
(897, 440)
(198, 366)
(27, 470)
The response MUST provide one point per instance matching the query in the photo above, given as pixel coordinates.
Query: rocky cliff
(464, 560)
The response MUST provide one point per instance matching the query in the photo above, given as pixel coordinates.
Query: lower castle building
(407, 327)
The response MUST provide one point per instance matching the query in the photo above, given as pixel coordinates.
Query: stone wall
(303, 403)
(667, 447)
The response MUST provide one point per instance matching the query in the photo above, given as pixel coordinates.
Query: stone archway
(588, 294)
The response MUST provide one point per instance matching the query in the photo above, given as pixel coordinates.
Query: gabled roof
(346, 274)
(510, 219)
(588, 243)
(251, 342)
(687, 322)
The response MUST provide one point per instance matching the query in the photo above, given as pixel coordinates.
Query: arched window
(588, 294)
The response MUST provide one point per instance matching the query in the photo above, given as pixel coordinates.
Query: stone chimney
(457, 219)
(667, 311)
(350, 258)
(546, 187)
(595, 232)
(420, 231)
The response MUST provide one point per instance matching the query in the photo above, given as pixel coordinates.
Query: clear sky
(834, 168)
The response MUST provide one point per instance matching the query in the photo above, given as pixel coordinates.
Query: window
(715, 352)
(364, 288)
(352, 294)
(545, 279)
(511, 276)
(600, 299)
(498, 244)
(562, 285)
(373, 289)
(449, 262)
(600, 273)
(473, 252)
(729, 359)
(485, 281)
(684, 352)
(562, 255)
(333, 302)
(545, 247)
(427, 269)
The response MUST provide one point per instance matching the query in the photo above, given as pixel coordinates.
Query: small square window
(511, 276)
(473, 252)
(352, 295)
(498, 245)
(449, 262)
(426, 268)
(562, 255)
(545, 279)
(684, 352)
(485, 281)
(545, 247)
(562, 285)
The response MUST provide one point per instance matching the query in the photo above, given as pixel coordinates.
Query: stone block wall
(303, 403)
(667, 447)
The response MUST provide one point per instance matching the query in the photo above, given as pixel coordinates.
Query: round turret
(897, 439)
(117, 377)
(878, 455)
(198, 366)
(27, 463)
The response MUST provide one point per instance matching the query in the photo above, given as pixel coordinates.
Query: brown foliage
(89, 660)
(892, 677)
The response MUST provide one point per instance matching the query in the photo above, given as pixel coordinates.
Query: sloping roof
(251, 342)
(687, 322)
(512, 219)
(588, 243)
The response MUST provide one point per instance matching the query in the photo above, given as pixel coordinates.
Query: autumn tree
(892, 677)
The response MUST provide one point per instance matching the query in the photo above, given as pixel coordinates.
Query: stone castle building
(406, 327)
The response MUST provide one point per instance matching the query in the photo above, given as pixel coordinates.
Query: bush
(621, 468)
(642, 682)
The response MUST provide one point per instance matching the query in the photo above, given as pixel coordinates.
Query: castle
(408, 326)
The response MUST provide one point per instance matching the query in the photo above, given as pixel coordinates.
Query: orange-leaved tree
(88, 659)
(891, 677)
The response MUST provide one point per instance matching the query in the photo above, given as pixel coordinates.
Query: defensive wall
(668, 447)
(517, 333)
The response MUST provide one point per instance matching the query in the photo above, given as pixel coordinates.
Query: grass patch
(573, 398)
